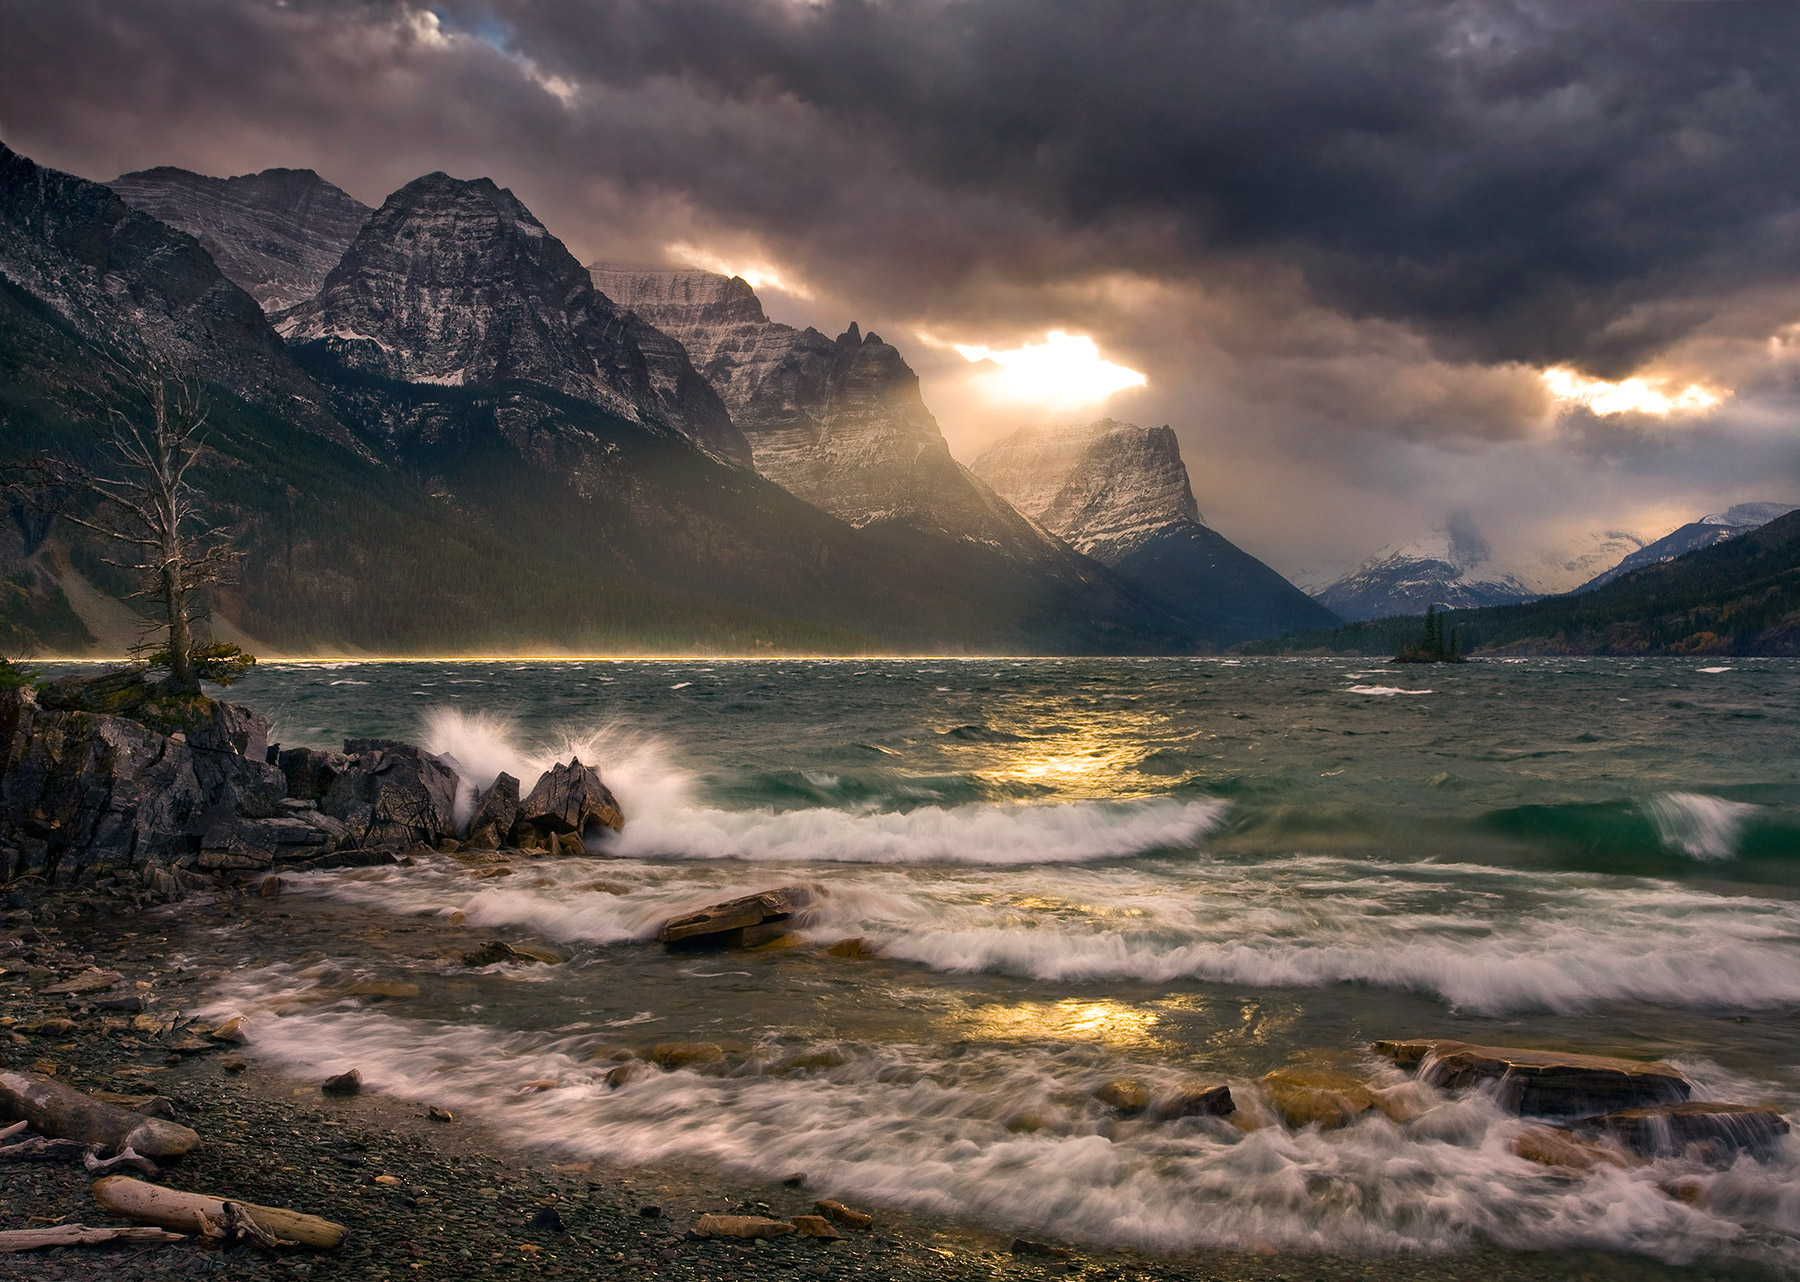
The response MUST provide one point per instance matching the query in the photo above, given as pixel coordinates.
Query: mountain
(1120, 493)
(1574, 560)
(471, 451)
(456, 284)
(1451, 567)
(840, 423)
(277, 233)
(126, 283)
(1691, 537)
(1737, 597)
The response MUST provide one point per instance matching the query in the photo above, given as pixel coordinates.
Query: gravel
(428, 1198)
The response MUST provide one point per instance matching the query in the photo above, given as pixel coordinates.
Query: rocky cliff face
(1105, 486)
(124, 282)
(1120, 493)
(839, 422)
(456, 284)
(277, 233)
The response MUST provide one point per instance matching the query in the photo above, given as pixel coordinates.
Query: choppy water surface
(1078, 871)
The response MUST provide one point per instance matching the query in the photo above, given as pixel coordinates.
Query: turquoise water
(1174, 870)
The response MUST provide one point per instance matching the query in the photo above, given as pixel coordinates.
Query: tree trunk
(181, 645)
(173, 1209)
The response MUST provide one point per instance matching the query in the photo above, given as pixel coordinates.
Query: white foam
(1022, 833)
(1386, 690)
(1703, 827)
(899, 1126)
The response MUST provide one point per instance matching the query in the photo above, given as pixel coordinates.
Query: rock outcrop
(162, 794)
(454, 283)
(277, 233)
(571, 798)
(741, 923)
(1120, 493)
(1542, 1083)
(181, 788)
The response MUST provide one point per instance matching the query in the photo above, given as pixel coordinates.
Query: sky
(1537, 262)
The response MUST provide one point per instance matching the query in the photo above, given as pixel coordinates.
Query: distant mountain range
(1455, 567)
(1736, 596)
(436, 431)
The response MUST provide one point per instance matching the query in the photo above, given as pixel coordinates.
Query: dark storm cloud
(1339, 237)
(1532, 181)
(1518, 180)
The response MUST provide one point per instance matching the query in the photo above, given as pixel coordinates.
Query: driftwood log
(65, 1113)
(740, 923)
(12, 1240)
(209, 1216)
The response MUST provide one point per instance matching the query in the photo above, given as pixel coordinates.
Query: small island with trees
(1432, 645)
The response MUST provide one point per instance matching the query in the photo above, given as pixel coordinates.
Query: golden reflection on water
(1097, 758)
(1073, 1019)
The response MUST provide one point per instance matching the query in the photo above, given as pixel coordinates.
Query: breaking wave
(1015, 1138)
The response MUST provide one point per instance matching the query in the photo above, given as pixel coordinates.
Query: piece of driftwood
(12, 1240)
(62, 1112)
(209, 1216)
(39, 1149)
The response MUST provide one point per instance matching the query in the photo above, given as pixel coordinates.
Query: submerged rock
(1535, 1083)
(1195, 1101)
(740, 923)
(1127, 1097)
(1304, 1097)
(1724, 1129)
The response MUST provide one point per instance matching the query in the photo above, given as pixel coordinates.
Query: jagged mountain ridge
(1120, 493)
(841, 423)
(488, 515)
(128, 283)
(1704, 533)
(455, 283)
(277, 233)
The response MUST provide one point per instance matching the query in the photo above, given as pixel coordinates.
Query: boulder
(393, 794)
(1304, 1097)
(1125, 1096)
(310, 772)
(673, 1055)
(1665, 1130)
(1535, 1083)
(572, 799)
(496, 812)
(741, 923)
(1194, 1101)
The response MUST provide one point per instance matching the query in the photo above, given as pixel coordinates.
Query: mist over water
(1075, 871)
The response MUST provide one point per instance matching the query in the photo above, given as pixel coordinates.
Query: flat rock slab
(1664, 1131)
(740, 923)
(1535, 1083)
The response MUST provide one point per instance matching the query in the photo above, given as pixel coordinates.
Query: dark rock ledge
(114, 792)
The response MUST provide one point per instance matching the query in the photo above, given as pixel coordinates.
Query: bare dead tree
(141, 501)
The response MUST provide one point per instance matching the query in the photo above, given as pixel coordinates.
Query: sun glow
(756, 272)
(1065, 371)
(1631, 396)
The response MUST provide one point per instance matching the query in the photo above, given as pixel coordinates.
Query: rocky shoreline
(115, 798)
(115, 792)
(448, 1199)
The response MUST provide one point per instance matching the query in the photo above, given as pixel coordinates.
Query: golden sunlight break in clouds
(1629, 396)
(758, 273)
(1065, 371)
